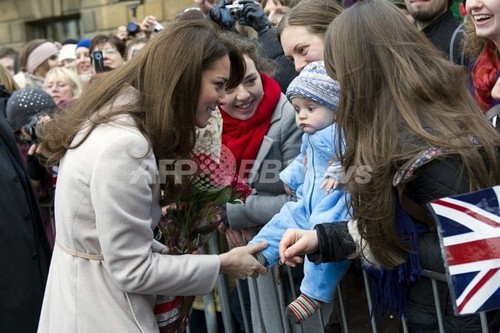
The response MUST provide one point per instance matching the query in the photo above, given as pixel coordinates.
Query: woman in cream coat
(107, 269)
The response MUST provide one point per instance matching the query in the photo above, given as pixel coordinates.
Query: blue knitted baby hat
(314, 84)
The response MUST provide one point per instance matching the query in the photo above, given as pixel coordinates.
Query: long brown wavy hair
(398, 97)
(167, 76)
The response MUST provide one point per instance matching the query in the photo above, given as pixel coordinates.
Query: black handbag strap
(412, 208)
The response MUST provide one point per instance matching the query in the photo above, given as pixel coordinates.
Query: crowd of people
(327, 110)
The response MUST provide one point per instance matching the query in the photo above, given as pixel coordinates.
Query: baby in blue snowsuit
(315, 97)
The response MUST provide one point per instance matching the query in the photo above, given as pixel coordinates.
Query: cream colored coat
(107, 204)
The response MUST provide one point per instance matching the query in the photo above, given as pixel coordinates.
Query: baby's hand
(329, 184)
(288, 190)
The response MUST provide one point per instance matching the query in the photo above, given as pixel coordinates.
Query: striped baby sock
(301, 309)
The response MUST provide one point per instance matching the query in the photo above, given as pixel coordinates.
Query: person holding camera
(107, 53)
(24, 109)
(145, 29)
(248, 13)
(24, 249)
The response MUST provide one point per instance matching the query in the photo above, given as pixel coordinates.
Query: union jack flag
(469, 230)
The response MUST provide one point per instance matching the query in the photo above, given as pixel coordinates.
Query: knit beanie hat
(84, 43)
(67, 51)
(25, 103)
(39, 55)
(315, 85)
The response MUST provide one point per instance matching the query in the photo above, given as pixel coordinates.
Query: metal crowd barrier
(229, 324)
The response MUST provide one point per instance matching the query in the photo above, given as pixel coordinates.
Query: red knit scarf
(484, 75)
(244, 137)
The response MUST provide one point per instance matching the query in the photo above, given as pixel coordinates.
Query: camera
(132, 29)
(30, 129)
(235, 10)
(230, 13)
(98, 60)
(158, 27)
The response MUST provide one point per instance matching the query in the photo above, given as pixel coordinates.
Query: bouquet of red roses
(190, 222)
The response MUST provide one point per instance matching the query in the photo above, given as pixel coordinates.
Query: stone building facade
(57, 20)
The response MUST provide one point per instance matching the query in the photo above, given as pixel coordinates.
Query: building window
(55, 29)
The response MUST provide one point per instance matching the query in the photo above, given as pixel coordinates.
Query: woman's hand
(240, 263)
(296, 242)
(288, 190)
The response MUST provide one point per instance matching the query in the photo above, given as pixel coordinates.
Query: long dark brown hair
(167, 76)
(398, 96)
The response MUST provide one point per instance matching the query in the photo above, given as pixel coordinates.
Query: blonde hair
(7, 80)
(70, 76)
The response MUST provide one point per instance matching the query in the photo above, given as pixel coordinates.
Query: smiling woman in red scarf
(482, 44)
(258, 127)
(247, 112)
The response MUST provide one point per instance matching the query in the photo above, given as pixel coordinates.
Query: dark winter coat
(24, 249)
(439, 178)
(270, 48)
(440, 33)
